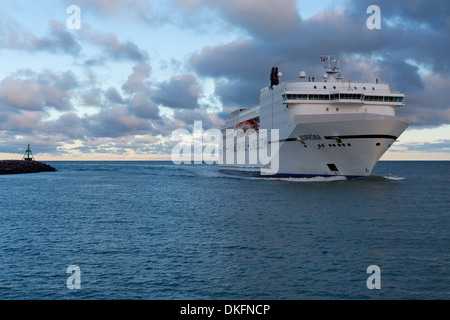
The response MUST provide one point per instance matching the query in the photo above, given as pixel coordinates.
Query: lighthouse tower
(28, 155)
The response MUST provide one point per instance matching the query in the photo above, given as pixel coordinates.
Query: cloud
(439, 146)
(143, 107)
(68, 124)
(398, 53)
(116, 122)
(238, 80)
(180, 92)
(58, 40)
(25, 121)
(410, 52)
(92, 97)
(113, 8)
(41, 142)
(136, 82)
(27, 90)
(260, 18)
(114, 96)
(112, 47)
(26, 97)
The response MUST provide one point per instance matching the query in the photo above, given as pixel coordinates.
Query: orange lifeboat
(248, 124)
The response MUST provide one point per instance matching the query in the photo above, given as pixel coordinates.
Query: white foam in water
(312, 179)
(394, 178)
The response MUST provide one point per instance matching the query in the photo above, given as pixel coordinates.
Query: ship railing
(328, 81)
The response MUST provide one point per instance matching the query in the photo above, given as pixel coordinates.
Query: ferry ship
(325, 128)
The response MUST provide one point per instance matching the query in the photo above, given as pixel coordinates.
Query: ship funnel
(275, 77)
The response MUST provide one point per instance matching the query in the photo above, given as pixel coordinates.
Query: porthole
(378, 144)
(349, 145)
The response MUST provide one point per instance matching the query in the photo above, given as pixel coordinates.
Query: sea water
(158, 231)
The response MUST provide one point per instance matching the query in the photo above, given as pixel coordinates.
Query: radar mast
(333, 68)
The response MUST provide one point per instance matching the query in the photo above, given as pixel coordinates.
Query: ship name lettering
(311, 137)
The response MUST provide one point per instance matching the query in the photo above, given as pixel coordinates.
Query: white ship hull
(363, 141)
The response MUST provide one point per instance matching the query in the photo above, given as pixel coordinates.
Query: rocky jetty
(21, 166)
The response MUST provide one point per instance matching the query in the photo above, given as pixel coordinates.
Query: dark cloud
(180, 92)
(143, 107)
(68, 125)
(413, 39)
(115, 122)
(230, 92)
(265, 19)
(413, 13)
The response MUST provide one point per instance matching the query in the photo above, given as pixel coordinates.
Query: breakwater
(21, 166)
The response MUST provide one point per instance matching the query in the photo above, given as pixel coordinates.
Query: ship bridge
(333, 90)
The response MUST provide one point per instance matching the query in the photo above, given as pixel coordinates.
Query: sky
(136, 70)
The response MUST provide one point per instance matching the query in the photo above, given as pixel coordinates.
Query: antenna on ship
(28, 154)
(332, 70)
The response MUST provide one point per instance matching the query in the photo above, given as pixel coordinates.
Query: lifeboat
(248, 124)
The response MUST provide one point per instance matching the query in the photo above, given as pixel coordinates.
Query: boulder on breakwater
(22, 166)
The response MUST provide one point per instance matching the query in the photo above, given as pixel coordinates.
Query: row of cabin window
(337, 96)
(356, 88)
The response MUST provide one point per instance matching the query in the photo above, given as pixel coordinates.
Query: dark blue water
(154, 230)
